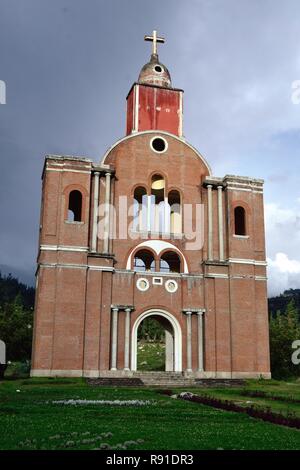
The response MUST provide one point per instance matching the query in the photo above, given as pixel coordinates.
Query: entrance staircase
(179, 379)
(163, 380)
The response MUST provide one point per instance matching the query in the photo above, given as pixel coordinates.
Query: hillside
(281, 301)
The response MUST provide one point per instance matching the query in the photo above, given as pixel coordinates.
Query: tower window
(140, 209)
(175, 211)
(144, 261)
(158, 69)
(169, 262)
(157, 211)
(239, 221)
(159, 144)
(75, 206)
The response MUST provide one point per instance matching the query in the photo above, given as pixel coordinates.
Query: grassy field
(30, 420)
(151, 356)
(277, 395)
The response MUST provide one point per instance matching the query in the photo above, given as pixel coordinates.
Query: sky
(69, 64)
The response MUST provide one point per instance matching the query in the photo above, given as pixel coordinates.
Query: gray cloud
(68, 66)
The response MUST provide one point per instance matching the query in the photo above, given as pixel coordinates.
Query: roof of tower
(154, 72)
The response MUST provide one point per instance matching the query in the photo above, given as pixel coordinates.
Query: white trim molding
(139, 284)
(76, 266)
(180, 139)
(163, 139)
(67, 170)
(81, 249)
(247, 261)
(158, 246)
(136, 108)
(168, 283)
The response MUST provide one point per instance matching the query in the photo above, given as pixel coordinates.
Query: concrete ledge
(228, 375)
(130, 373)
(55, 373)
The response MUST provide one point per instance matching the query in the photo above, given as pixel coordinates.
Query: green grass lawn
(151, 356)
(30, 420)
(272, 388)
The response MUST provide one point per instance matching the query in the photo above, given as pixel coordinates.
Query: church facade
(150, 232)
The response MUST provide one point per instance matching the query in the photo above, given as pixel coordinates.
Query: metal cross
(154, 39)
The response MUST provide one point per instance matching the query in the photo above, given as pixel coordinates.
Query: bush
(284, 329)
(18, 370)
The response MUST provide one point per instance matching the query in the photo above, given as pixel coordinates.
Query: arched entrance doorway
(173, 339)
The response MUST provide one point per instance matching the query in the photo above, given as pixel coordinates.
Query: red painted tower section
(152, 103)
(150, 107)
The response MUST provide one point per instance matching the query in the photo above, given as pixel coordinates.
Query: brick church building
(150, 232)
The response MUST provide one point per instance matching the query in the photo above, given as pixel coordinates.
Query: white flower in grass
(104, 445)
(70, 443)
(186, 395)
(130, 443)
(73, 402)
(87, 441)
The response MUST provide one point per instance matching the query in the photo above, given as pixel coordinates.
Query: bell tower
(152, 103)
(150, 232)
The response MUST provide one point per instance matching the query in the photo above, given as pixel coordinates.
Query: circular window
(171, 286)
(158, 69)
(142, 284)
(159, 144)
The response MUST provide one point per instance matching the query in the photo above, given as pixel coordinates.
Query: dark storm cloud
(68, 66)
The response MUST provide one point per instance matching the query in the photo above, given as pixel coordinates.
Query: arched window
(144, 261)
(239, 221)
(157, 203)
(175, 211)
(140, 209)
(169, 262)
(75, 206)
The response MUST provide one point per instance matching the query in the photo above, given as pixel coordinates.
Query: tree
(284, 329)
(16, 329)
(151, 329)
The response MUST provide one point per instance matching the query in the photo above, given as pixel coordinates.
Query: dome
(155, 73)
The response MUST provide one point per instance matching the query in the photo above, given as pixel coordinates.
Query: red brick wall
(76, 289)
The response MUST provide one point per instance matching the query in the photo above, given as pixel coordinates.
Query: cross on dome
(154, 72)
(154, 39)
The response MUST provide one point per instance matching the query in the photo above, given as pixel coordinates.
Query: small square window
(157, 280)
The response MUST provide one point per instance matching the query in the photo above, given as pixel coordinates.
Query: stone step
(159, 377)
(158, 373)
(164, 379)
(220, 382)
(116, 381)
(167, 380)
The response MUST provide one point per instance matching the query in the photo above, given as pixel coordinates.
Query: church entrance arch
(173, 338)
